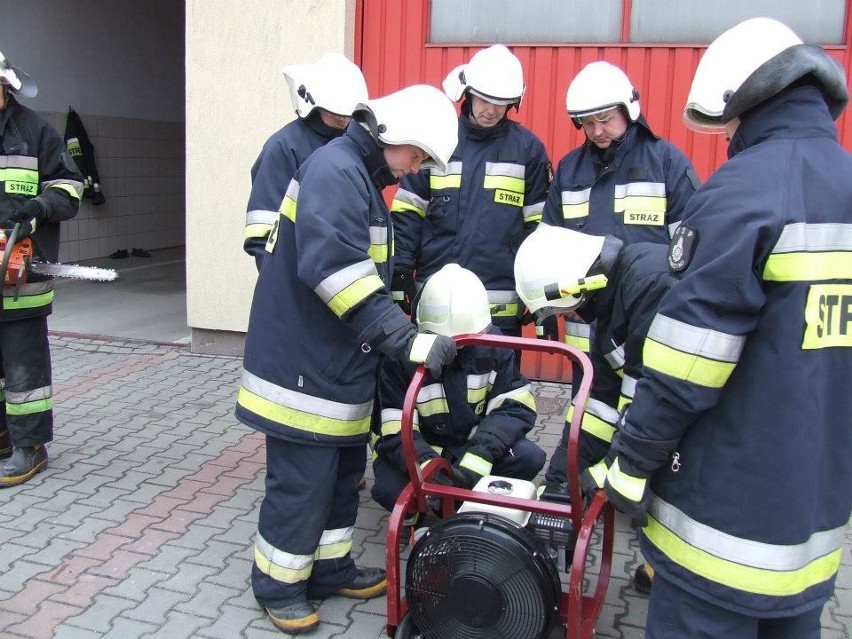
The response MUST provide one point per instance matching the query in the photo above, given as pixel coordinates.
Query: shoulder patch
(682, 248)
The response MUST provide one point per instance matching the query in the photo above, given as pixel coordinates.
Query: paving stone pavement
(143, 523)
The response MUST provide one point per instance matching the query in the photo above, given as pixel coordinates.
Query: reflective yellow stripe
(392, 421)
(19, 175)
(70, 189)
(25, 301)
(257, 230)
(433, 407)
(401, 207)
(354, 294)
(516, 185)
(774, 583)
(574, 211)
(808, 267)
(522, 395)
(302, 420)
(29, 408)
(685, 366)
(631, 487)
(288, 208)
(335, 543)
(598, 473)
(476, 464)
(594, 425)
(378, 253)
(280, 565)
(437, 182)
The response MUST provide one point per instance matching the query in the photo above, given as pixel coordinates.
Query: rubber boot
(24, 463)
(5, 444)
(369, 582)
(296, 617)
(643, 578)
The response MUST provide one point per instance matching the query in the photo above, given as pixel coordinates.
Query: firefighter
(623, 181)
(477, 413)
(734, 454)
(324, 94)
(616, 286)
(321, 318)
(478, 210)
(40, 188)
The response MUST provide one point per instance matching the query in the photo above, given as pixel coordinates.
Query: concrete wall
(236, 98)
(120, 65)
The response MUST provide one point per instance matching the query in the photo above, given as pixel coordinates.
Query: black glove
(25, 216)
(403, 288)
(548, 328)
(465, 477)
(433, 351)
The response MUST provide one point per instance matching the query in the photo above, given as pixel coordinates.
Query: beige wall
(236, 98)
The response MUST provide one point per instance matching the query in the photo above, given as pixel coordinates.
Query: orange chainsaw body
(19, 260)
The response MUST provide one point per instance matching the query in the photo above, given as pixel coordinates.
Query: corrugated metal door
(392, 50)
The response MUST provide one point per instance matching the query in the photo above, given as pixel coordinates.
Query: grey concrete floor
(147, 302)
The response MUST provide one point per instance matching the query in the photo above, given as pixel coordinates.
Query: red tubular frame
(579, 612)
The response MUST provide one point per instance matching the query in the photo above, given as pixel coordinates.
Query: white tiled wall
(141, 164)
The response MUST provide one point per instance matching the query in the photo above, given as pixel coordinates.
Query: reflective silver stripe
(522, 395)
(704, 342)
(336, 535)
(411, 199)
(673, 227)
(45, 392)
(602, 411)
(616, 358)
(292, 190)
(577, 329)
(303, 402)
(337, 282)
(576, 197)
(478, 382)
(280, 558)
(646, 189)
(628, 386)
(814, 238)
(430, 392)
(259, 216)
(502, 297)
(532, 211)
(747, 552)
(453, 168)
(378, 235)
(505, 168)
(392, 421)
(18, 162)
(64, 184)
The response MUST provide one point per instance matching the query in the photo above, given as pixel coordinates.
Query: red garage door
(393, 49)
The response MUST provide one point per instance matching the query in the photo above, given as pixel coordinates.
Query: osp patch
(682, 248)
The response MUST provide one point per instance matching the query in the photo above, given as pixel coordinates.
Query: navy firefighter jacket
(282, 154)
(747, 369)
(478, 212)
(635, 190)
(321, 298)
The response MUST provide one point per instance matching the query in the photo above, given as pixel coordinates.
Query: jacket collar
(372, 155)
(798, 112)
(314, 123)
(468, 129)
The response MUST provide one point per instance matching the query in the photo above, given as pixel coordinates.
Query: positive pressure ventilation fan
(481, 576)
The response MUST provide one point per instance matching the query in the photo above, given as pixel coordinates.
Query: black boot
(25, 462)
(5, 444)
(295, 617)
(369, 582)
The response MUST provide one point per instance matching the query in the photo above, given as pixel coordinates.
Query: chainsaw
(18, 262)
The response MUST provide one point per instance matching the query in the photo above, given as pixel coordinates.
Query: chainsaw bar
(74, 271)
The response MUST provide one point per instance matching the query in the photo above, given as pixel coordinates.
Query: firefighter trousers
(306, 522)
(674, 613)
(25, 386)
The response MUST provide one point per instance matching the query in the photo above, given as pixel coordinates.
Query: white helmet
(17, 81)
(452, 302)
(598, 87)
(552, 267)
(751, 62)
(333, 83)
(494, 74)
(420, 115)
